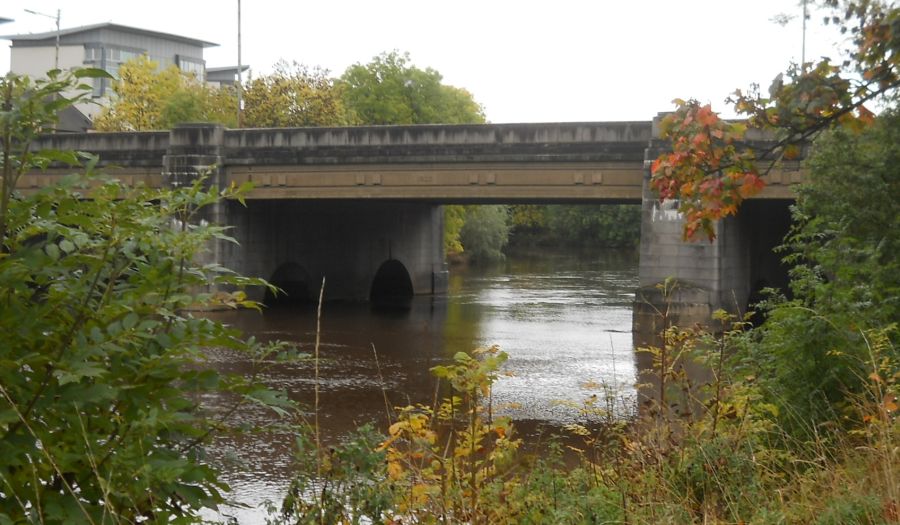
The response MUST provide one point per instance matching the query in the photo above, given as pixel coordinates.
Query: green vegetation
(576, 226)
(293, 96)
(485, 232)
(102, 365)
(148, 99)
(389, 90)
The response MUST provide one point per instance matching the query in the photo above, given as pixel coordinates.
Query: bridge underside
(296, 244)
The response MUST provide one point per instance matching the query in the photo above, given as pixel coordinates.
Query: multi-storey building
(106, 46)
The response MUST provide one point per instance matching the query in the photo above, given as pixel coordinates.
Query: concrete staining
(346, 203)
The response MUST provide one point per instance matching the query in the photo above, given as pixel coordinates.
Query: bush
(485, 232)
(102, 363)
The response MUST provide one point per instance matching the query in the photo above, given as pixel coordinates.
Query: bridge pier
(682, 283)
(298, 242)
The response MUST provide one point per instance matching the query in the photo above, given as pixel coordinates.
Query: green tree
(101, 362)
(845, 250)
(485, 233)
(389, 90)
(586, 226)
(454, 219)
(605, 225)
(146, 98)
(293, 95)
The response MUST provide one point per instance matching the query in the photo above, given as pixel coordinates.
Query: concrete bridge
(362, 204)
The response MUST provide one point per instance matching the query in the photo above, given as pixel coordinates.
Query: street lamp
(56, 59)
(240, 85)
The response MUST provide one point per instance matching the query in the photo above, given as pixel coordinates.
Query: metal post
(58, 11)
(803, 49)
(56, 58)
(240, 86)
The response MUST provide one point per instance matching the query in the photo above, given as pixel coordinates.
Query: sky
(523, 60)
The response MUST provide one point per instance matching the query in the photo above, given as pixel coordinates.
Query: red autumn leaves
(706, 172)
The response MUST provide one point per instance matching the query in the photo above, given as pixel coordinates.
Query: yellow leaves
(146, 98)
(791, 152)
(889, 404)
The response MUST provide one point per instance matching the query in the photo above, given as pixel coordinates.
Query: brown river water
(564, 320)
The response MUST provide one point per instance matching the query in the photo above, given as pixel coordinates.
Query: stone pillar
(684, 282)
(194, 150)
(197, 150)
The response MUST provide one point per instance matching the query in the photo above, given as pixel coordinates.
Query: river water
(564, 320)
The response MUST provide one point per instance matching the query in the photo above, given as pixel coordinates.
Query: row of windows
(113, 54)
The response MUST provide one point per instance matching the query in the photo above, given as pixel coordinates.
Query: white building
(104, 46)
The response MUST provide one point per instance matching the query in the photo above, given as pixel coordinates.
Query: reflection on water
(564, 320)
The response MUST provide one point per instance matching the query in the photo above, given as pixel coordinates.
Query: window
(93, 54)
(189, 65)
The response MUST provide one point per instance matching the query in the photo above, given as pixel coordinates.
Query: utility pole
(240, 87)
(56, 58)
(803, 49)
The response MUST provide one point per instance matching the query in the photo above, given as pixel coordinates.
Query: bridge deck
(559, 162)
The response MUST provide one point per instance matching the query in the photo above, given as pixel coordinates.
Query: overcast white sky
(525, 61)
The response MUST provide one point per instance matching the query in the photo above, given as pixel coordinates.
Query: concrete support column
(685, 281)
(194, 151)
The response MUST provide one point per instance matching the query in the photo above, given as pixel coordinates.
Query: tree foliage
(101, 362)
(147, 98)
(845, 251)
(578, 225)
(294, 95)
(709, 172)
(454, 219)
(485, 232)
(389, 90)
(30, 108)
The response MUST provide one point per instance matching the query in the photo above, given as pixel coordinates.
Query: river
(564, 320)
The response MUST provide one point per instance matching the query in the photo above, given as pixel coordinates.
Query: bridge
(362, 204)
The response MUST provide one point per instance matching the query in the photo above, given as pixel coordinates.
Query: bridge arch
(294, 280)
(392, 284)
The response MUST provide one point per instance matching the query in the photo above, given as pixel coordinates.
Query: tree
(102, 363)
(582, 225)
(485, 232)
(710, 172)
(388, 90)
(608, 225)
(454, 220)
(146, 98)
(822, 347)
(293, 95)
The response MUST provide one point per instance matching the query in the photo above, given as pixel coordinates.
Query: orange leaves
(705, 172)
(864, 115)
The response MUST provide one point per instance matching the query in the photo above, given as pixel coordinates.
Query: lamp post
(56, 58)
(240, 86)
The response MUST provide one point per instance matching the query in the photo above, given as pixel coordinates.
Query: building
(223, 76)
(105, 46)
